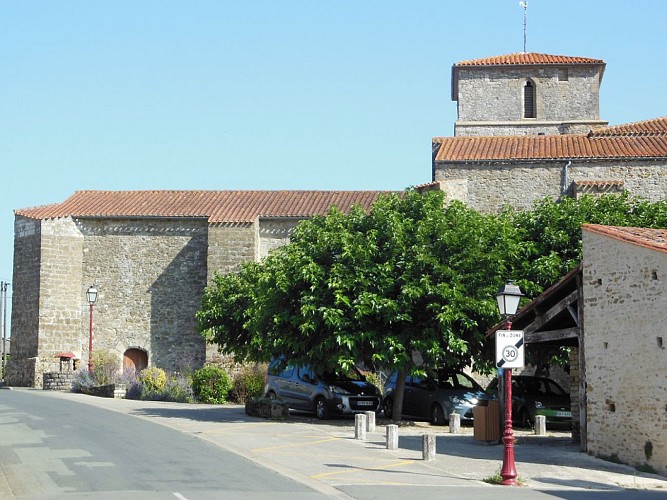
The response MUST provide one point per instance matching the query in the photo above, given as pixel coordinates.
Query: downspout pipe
(566, 177)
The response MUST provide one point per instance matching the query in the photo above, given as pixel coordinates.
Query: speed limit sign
(509, 349)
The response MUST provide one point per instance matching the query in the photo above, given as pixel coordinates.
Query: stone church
(528, 126)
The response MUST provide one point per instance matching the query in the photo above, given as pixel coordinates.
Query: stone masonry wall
(229, 245)
(61, 294)
(274, 233)
(150, 276)
(495, 94)
(25, 303)
(488, 187)
(626, 338)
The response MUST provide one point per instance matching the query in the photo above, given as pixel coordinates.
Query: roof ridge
(528, 58)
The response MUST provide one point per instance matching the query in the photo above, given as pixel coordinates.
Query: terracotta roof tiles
(215, 206)
(528, 58)
(655, 239)
(550, 147)
(656, 126)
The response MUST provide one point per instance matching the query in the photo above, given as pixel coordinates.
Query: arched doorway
(135, 360)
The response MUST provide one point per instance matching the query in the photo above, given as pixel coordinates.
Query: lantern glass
(91, 294)
(508, 298)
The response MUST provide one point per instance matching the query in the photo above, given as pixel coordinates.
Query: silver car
(434, 397)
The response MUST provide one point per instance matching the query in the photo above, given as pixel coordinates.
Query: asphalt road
(63, 445)
(56, 448)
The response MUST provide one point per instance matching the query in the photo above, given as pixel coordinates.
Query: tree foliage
(408, 284)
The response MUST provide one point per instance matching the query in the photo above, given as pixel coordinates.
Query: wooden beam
(551, 335)
(556, 309)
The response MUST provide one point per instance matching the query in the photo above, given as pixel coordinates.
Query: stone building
(150, 254)
(625, 317)
(528, 127)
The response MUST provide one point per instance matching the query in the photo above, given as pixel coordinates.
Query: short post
(360, 426)
(540, 425)
(454, 423)
(370, 421)
(428, 446)
(392, 437)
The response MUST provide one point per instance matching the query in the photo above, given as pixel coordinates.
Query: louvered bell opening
(529, 100)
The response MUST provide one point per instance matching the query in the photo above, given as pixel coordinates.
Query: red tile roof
(635, 140)
(530, 59)
(656, 126)
(654, 239)
(215, 206)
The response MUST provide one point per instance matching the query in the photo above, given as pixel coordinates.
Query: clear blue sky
(347, 94)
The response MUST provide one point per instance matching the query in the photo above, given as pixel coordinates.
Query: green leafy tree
(407, 285)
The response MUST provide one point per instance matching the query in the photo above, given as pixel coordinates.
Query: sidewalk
(327, 457)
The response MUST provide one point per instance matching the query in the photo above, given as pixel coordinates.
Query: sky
(291, 94)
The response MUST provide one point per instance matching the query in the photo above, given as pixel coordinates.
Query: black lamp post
(508, 297)
(91, 296)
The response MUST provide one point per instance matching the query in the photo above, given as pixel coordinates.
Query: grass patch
(498, 479)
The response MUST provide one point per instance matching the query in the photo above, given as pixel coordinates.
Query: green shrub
(248, 383)
(105, 368)
(152, 380)
(178, 390)
(211, 384)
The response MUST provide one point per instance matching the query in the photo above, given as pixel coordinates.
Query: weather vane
(524, 4)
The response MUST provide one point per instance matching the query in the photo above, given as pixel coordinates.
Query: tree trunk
(398, 396)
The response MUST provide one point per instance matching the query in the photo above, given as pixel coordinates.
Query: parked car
(533, 396)
(324, 394)
(435, 396)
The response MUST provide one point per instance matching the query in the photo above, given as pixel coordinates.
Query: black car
(533, 396)
(324, 394)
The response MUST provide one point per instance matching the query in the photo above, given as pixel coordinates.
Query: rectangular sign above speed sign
(509, 349)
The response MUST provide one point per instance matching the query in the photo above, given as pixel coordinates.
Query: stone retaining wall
(60, 381)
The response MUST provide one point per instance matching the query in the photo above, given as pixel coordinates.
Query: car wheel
(524, 418)
(321, 409)
(388, 407)
(271, 395)
(437, 415)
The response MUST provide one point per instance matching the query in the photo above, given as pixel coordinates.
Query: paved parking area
(327, 457)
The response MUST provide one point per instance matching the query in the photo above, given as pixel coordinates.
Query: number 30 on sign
(509, 349)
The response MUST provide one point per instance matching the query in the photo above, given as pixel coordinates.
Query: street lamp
(91, 296)
(508, 297)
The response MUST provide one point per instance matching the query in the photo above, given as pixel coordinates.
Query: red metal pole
(508, 471)
(90, 341)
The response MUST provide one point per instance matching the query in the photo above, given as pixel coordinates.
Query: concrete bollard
(392, 437)
(370, 421)
(540, 425)
(428, 446)
(454, 423)
(360, 426)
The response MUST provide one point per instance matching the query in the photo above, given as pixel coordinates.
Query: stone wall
(231, 244)
(624, 306)
(61, 293)
(488, 187)
(25, 304)
(58, 381)
(150, 275)
(490, 100)
(274, 233)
